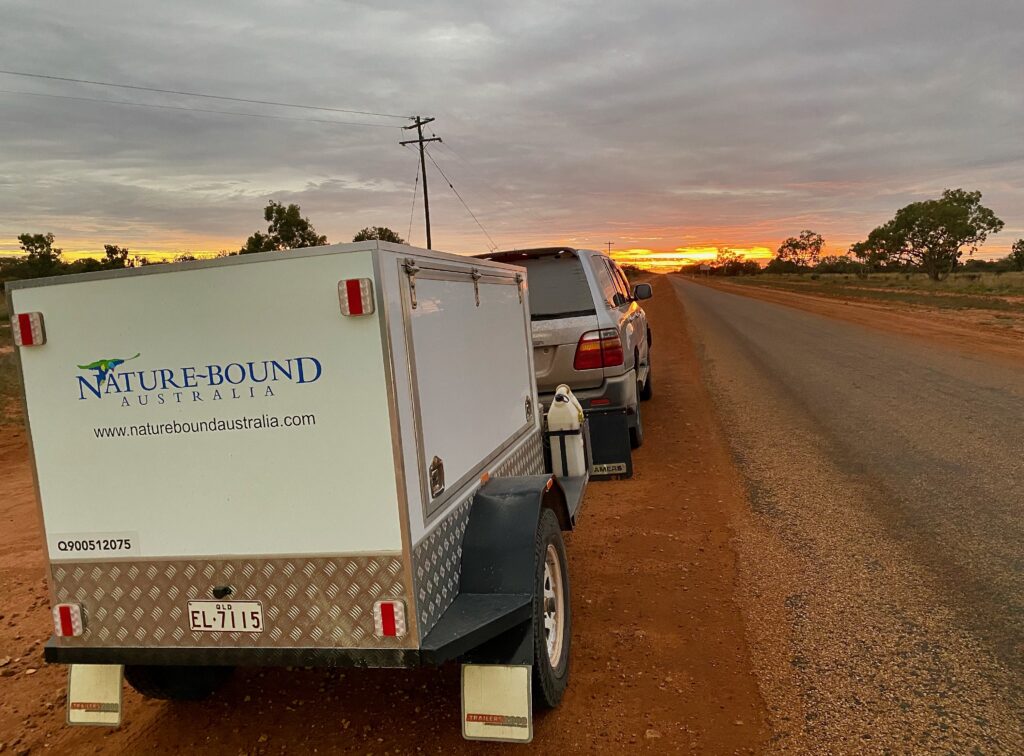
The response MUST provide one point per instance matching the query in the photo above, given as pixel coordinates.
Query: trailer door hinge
(476, 285)
(436, 473)
(411, 269)
(519, 286)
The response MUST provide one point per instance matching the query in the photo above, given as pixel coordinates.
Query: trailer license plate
(225, 616)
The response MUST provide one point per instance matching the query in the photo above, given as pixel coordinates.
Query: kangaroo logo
(104, 367)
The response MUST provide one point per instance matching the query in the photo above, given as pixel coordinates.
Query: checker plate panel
(310, 602)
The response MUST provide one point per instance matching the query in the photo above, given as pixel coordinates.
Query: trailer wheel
(171, 683)
(552, 615)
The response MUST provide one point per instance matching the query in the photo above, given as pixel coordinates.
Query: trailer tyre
(171, 683)
(552, 615)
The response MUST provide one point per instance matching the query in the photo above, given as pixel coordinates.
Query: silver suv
(589, 330)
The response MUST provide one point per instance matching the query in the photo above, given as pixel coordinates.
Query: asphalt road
(882, 556)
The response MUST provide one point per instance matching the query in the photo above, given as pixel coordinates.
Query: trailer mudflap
(95, 694)
(497, 702)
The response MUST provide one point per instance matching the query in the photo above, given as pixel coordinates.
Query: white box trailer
(331, 456)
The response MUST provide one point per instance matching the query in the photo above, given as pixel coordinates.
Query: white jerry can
(565, 423)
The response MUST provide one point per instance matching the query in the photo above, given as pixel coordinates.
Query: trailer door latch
(411, 269)
(436, 477)
(476, 284)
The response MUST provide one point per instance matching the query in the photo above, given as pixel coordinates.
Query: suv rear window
(558, 287)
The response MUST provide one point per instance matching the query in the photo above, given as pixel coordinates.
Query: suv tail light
(598, 349)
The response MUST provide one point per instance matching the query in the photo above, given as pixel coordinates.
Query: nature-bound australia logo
(113, 377)
(103, 367)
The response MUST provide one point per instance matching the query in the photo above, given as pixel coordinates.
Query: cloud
(649, 124)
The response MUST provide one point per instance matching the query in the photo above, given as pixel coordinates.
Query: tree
(381, 233)
(840, 264)
(39, 246)
(41, 258)
(778, 265)
(803, 250)
(1016, 256)
(725, 257)
(881, 249)
(932, 235)
(287, 229)
(729, 262)
(115, 256)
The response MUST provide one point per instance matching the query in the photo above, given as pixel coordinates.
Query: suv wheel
(636, 433)
(648, 388)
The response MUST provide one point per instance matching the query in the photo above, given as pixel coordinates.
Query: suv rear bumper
(616, 392)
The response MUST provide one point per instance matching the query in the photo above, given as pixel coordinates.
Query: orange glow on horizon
(658, 260)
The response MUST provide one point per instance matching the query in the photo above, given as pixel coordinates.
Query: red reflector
(598, 349)
(66, 628)
(389, 619)
(67, 620)
(28, 329)
(600, 402)
(356, 296)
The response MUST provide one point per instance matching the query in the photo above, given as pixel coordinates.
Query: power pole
(609, 244)
(418, 125)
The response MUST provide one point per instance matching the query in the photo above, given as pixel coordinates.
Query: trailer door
(468, 334)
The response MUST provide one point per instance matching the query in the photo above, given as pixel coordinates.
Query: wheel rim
(554, 605)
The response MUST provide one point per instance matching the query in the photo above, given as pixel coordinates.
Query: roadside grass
(10, 384)
(961, 291)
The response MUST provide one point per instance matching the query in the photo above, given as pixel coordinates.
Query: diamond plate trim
(527, 459)
(437, 558)
(322, 602)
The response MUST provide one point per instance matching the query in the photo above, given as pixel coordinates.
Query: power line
(452, 187)
(500, 197)
(412, 212)
(200, 94)
(196, 110)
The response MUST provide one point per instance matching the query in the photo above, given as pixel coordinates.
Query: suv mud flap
(612, 456)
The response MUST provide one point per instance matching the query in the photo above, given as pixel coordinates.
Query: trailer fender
(497, 549)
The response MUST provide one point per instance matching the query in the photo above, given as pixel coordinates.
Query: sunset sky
(666, 128)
